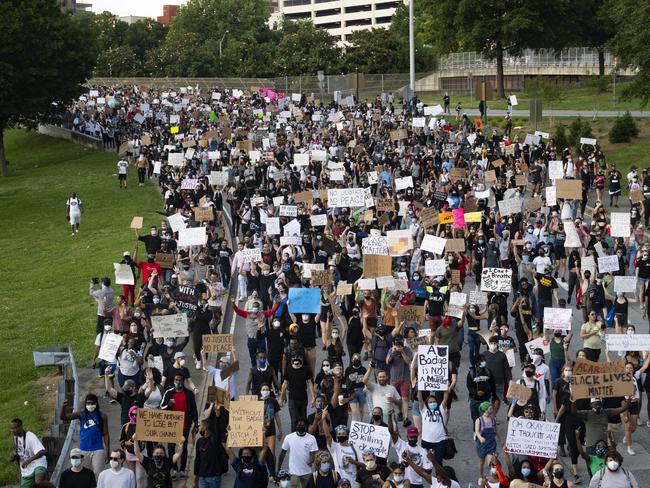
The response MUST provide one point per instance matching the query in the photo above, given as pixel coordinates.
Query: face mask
(301, 429)
(493, 471)
(265, 394)
(75, 463)
(597, 409)
(398, 478)
(356, 363)
(335, 336)
(150, 260)
(371, 465)
(107, 328)
(91, 408)
(481, 241)
(178, 386)
(276, 325)
(325, 467)
(285, 483)
(114, 464)
(181, 362)
(342, 438)
(482, 364)
(413, 442)
(630, 331)
(159, 461)
(247, 459)
(525, 471)
(493, 347)
(558, 473)
(261, 363)
(156, 301)
(376, 417)
(612, 465)
(529, 374)
(537, 359)
(568, 374)
(599, 451)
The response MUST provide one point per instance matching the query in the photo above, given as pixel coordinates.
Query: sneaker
(197, 364)
(182, 475)
(406, 423)
(112, 400)
(400, 417)
(624, 440)
(639, 422)
(647, 424)
(174, 474)
(631, 451)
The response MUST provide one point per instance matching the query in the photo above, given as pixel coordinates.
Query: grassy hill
(45, 271)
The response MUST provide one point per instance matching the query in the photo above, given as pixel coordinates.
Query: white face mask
(493, 347)
(265, 394)
(612, 465)
(115, 464)
(91, 408)
(75, 463)
(181, 362)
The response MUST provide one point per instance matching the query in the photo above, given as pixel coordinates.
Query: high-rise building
(132, 19)
(341, 17)
(169, 12)
(74, 7)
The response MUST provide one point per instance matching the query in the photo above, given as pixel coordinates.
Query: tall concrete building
(340, 17)
(74, 7)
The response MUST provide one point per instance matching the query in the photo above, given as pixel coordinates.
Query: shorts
(615, 429)
(642, 280)
(30, 480)
(635, 408)
(500, 391)
(402, 387)
(75, 218)
(121, 177)
(360, 396)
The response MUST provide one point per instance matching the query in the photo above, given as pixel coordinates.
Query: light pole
(411, 51)
(220, 41)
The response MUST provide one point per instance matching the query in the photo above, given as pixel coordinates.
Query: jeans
(210, 482)
(555, 365)
(460, 338)
(438, 450)
(225, 275)
(540, 307)
(631, 256)
(474, 343)
(297, 410)
(252, 348)
(142, 172)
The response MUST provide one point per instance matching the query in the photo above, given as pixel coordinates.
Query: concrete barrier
(73, 136)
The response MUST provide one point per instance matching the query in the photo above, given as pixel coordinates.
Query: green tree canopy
(305, 49)
(44, 59)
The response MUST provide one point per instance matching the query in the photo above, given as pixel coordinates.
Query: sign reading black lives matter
(187, 299)
(498, 280)
(433, 368)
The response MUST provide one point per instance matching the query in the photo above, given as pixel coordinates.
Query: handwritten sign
(411, 313)
(433, 368)
(165, 426)
(375, 266)
(203, 214)
(607, 264)
(435, 267)
(370, 438)
(136, 223)
(570, 189)
(620, 224)
(253, 255)
(625, 284)
(109, 347)
(532, 437)
(246, 424)
(557, 318)
(509, 206)
(217, 343)
(169, 325)
(194, 236)
(601, 385)
(165, 260)
(478, 297)
(539, 343)
(377, 245)
(346, 197)
(497, 280)
(219, 395)
(187, 299)
(519, 391)
(624, 342)
(123, 274)
(344, 288)
(584, 366)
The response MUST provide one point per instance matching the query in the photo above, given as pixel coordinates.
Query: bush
(623, 129)
(597, 84)
(560, 137)
(549, 90)
(579, 128)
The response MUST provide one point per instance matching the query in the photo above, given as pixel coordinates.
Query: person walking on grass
(122, 168)
(75, 207)
(29, 454)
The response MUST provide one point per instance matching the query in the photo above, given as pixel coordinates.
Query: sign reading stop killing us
(370, 438)
(433, 368)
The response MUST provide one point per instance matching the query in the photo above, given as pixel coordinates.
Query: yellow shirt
(592, 342)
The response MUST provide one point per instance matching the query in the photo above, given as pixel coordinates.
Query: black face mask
(247, 459)
(413, 442)
(376, 417)
(301, 429)
(558, 473)
(150, 260)
(529, 374)
(356, 363)
(342, 438)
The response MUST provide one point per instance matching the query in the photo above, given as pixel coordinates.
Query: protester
(77, 475)
(29, 454)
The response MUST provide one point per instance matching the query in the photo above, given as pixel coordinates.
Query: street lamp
(220, 41)
(411, 50)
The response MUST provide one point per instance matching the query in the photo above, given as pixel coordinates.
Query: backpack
(601, 473)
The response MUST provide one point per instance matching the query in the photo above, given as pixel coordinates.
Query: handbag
(450, 445)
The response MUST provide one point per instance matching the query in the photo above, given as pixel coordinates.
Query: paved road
(559, 113)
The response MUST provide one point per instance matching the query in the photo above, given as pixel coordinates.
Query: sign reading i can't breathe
(498, 280)
(433, 368)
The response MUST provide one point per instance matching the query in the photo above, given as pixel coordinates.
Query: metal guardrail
(62, 357)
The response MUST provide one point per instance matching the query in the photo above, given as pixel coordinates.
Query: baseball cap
(126, 253)
(76, 452)
(179, 354)
(412, 431)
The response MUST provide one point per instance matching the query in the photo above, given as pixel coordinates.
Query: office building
(74, 7)
(169, 12)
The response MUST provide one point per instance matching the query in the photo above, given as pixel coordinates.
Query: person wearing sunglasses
(77, 474)
(117, 476)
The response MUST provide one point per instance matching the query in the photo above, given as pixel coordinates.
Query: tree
(596, 28)
(44, 59)
(399, 25)
(631, 44)
(500, 27)
(374, 51)
(305, 49)
(120, 61)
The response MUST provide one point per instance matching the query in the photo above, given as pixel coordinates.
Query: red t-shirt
(147, 268)
(180, 404)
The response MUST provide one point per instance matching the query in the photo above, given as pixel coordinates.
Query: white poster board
(194, 236)
(169, 325)
(109, 348)
(532, 437)
(607, 264)
(346, 197)
(370, 438)
(625, 284)
(557, 318)
(433, 368)
(123, 274)
(624, 342)
(497, 280)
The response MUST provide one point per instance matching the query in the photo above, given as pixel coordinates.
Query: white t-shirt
(74, 204)
(540, 263)
(26, 447)
(124, 478)
(299, 450)
(436, 484)
(122, 166)
(433, 428)
(378, 396)
(419, 456)
(226, 384)
(342, 466)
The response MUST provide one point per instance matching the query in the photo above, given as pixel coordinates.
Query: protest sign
(307, 268)
(292, 228)
(123, 274)
(403, 183)
(288, 211)
(636, 196)
(187, 299)
(435, 267)
(165, 260)
(273, 226)
(455, 277)
(370, 438)
(557, 318)
(195, 236)
(218, 178)
(584, 366)
(385, 282)
(219, 395)
(496, 279)
(396, 135)
(169, 325)
(253, 255)
(539, 343)
(176, 222)
(411, 313)
(625, 284)
(304, 300)
(624, 342)
(608, 264)
(455, 245)
(446, 218)
(620, 224)
(375, 266)
(321, 277)
(429, 216)
(229, 371)
(533, 204)
(109, 347)
(433, 368)
(457, 298)
(471, 217)
(384, 204)
(346, 197)
(344, 289)
(588, 140)
(434, 244)
(477, 297)
(366, 284)
(571, 189)
(136, 223)
(203, 214)
(377, 245)
(509, 206)
(519, 391)
(164, 426)
(319, 220)
(217, 343)
(399, 242)
(246, 424)
(555, 170)
(532, 437)
(459, 217)
(601, 385)
(551, 196)
(156, 362)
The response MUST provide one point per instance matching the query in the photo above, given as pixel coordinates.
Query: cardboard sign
(370, 438)
(136, 223)
(624, 342)
(455, 277)
(509, 206)
(519, 391)
(458, 174)
(455, 245)
(217, 343)
(636, 196)
(490, 176)
(433, 368)
(375, 266)
(344, 289)
(164, 426)
(203, 214)
(169, 325)
(321, 277)
(165, 260)
(557, 318)
(229, 371)
(109, 347)
(498, 280)
(533, 204)
(532, 437)
(411, 313)
(219, 395)
(123, 274)
(446, 218)
(396, 135)
(571, 189)
(429, 216)
(584, 366)
(601, 385)
(246, 424)
(384, 204)
(346, 197)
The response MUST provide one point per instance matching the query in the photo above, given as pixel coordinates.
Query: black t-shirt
(297, 378)
(369, 479)
(224, 256)
(307, 332)
(574, 261)
(436, 304)
(151, 243)
(83, 479)
(158, 478)
(355, 375)
(172, 371)
(644, 267)
(126, 402)
(546, 286)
